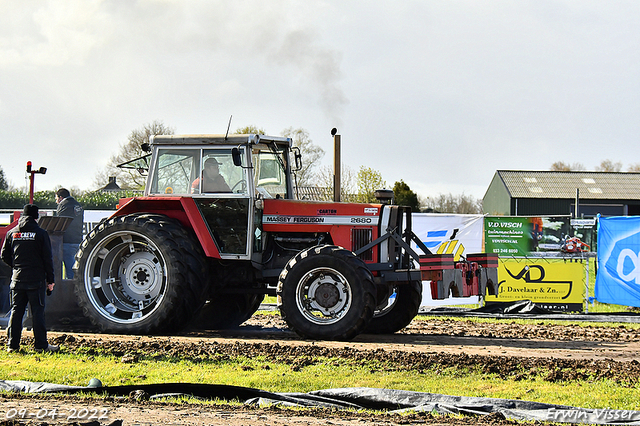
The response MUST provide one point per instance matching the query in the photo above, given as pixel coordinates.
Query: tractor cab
(247, 165)
(224, 175)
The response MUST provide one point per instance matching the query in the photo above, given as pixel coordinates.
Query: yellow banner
(541, 281)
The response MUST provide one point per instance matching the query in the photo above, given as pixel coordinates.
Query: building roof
(314, 193)
(112, 186)
(591, 185)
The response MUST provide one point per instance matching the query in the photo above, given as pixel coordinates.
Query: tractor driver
(212, 180)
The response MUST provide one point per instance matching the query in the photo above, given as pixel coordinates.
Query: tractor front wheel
(398, 310)
(326, 293)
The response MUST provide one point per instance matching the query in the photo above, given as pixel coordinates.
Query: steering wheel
(242, 183)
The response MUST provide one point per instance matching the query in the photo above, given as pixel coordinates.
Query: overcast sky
(440, 94)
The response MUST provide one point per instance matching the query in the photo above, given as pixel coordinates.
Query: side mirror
(297, 158)
(237, 157)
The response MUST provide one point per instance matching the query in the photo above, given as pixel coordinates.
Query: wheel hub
(327, 295)
(323, 295)
(142, 276)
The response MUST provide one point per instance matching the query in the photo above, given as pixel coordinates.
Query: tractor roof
(215, 139)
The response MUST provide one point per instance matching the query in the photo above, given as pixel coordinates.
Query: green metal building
(550, 193)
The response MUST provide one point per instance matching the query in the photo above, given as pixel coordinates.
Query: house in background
(550, 193)
(112, 186)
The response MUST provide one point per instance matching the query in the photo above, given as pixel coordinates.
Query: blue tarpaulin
(618, 278)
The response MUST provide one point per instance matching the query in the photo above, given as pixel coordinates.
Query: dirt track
(557, 353)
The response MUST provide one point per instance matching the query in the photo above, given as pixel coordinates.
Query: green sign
(507, 236)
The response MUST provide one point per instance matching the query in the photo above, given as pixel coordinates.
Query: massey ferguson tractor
(182, 254)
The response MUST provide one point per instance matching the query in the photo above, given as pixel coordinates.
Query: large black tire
(396, 312)
(140, 274)
(326, 293)
(227, 311)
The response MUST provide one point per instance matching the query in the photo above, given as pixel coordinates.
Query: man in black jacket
(69, 207)
(27, 249)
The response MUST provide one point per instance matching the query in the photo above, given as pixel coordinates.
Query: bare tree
(561, 166)
(449, 203)
(609, 166)
(634, 167)
(129, 178)
(311, 154)
(324, 179)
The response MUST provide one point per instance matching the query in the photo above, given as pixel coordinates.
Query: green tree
(4, 185)
(368, 180)
(13, 199)
(129, 179)
(404, 196)
(311, 155)
(250, 130)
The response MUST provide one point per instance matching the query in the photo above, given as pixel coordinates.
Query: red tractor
(187, 252)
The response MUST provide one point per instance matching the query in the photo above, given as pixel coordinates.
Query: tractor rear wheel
(227, 311)
(397, 311)
(326, 293)
(140, 274)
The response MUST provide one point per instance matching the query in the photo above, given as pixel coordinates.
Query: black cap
(31, 210)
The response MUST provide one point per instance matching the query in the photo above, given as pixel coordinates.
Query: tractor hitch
(474, 276)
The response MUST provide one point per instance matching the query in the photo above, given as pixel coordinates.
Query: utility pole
(41, 170)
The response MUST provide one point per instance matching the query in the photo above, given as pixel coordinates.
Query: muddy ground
(513, 351)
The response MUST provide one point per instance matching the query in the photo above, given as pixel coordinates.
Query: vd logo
(628, 265)
(532, 280)
(624, 261)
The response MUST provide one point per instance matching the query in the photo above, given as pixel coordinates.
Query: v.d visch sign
(507, 235)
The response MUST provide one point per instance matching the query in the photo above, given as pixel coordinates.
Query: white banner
(93, 217)
(457, 234)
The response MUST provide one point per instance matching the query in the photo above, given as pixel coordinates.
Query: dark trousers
(19, 300)
(5, 295)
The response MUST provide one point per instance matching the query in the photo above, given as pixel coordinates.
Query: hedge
(15, 200)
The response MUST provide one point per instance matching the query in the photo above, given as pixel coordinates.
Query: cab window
(270, 178)
(175, 171)
(219, 174)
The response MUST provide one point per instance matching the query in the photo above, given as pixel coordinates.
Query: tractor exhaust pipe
(336, 165)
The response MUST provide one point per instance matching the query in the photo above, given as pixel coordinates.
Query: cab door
(225, 206)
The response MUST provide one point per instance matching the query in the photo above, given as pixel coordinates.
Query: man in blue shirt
(69, 207)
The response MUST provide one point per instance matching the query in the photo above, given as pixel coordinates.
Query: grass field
(78, 367)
